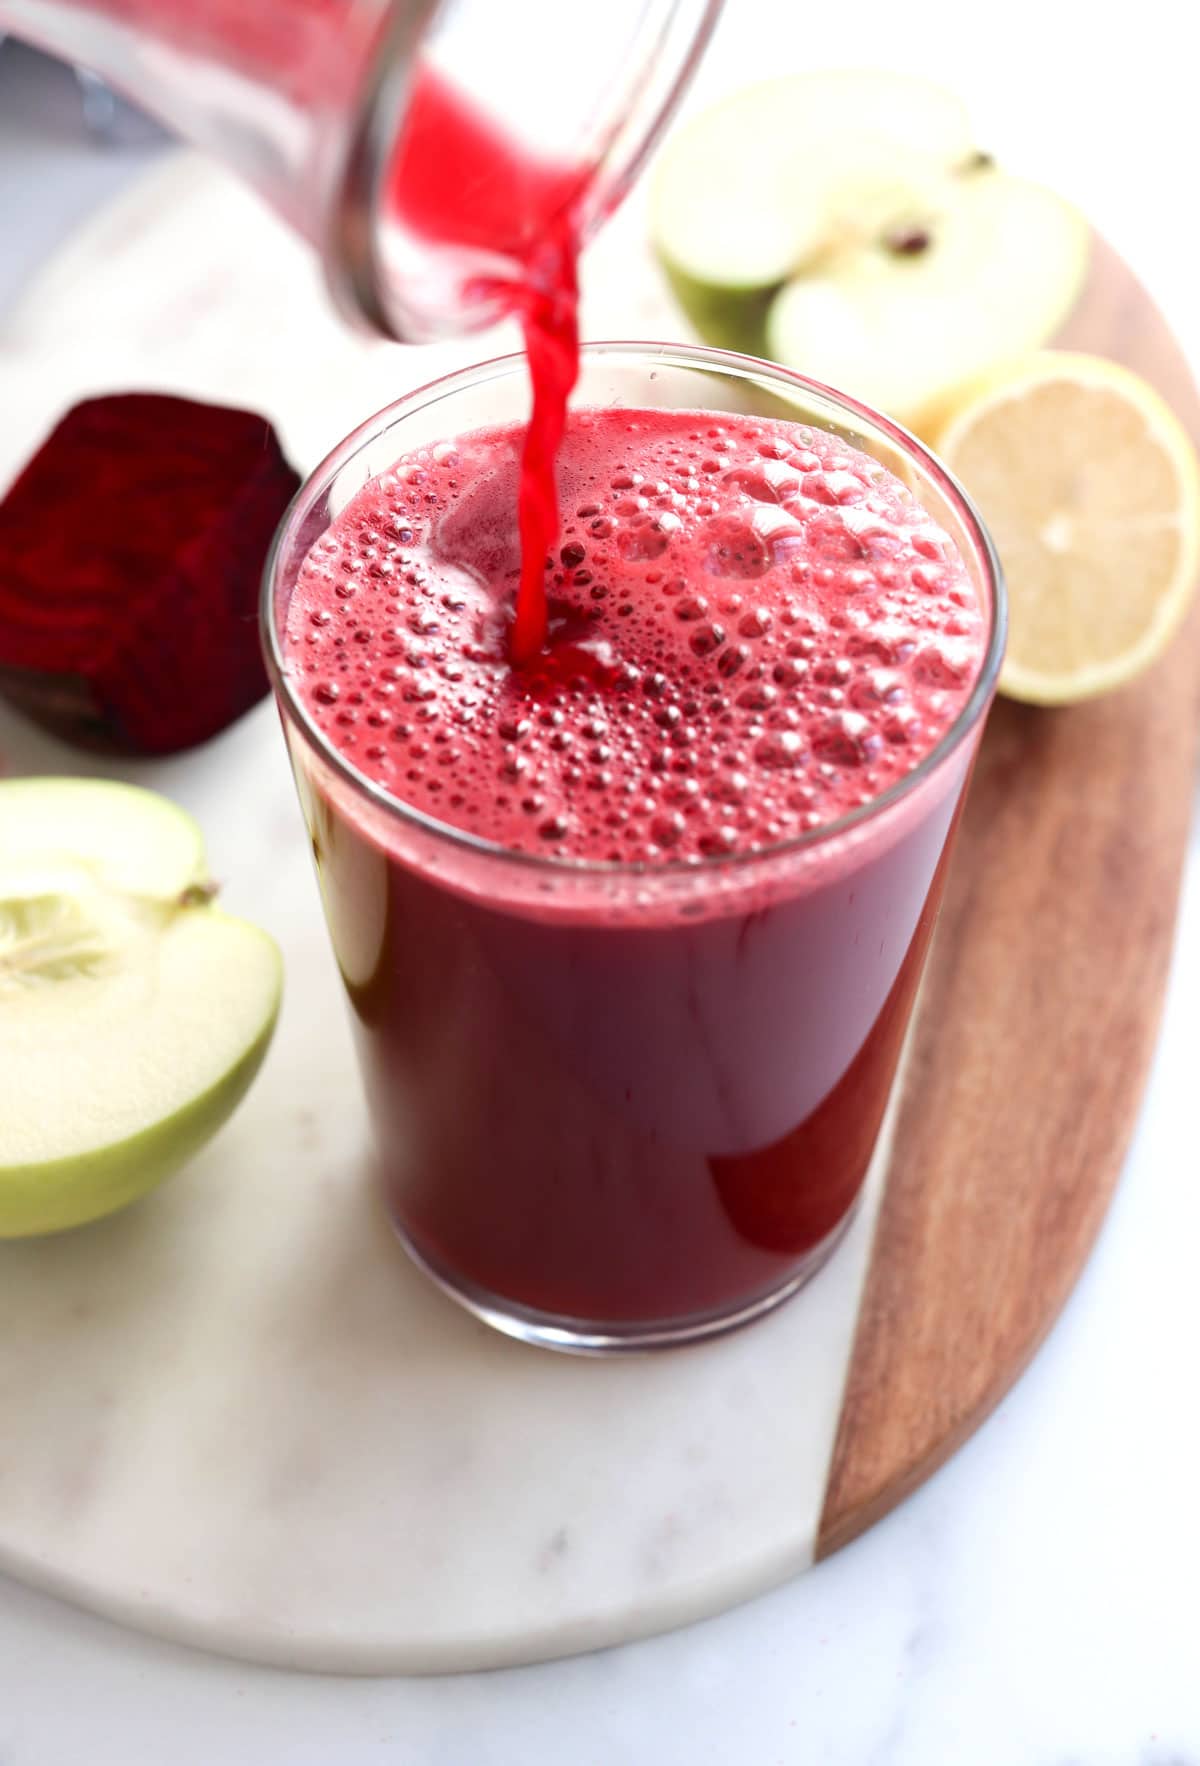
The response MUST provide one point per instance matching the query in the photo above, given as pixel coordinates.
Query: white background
(1038, 1602)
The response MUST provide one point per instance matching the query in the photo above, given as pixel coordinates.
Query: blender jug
(372, 126)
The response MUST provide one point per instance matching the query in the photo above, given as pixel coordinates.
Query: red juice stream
(549, 319)
(461, 180)
(610, 1102)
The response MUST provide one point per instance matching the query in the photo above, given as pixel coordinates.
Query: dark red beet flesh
(131, 554)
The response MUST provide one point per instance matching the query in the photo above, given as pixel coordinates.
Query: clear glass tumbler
(620, 1106)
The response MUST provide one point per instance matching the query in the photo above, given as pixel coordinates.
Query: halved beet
(131, 552)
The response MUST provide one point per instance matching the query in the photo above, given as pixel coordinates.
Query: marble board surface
(235, 1414)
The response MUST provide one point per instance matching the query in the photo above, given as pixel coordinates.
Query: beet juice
(631, 929)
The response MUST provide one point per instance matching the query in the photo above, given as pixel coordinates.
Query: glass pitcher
(417, 144)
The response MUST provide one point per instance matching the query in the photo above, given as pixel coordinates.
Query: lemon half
(1091, 489)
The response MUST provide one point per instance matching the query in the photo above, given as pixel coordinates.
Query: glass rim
(350, 250)
(699, 356)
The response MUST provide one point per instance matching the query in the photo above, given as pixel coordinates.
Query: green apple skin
(134, 862)
(729, 318)
(845, 225)
(55, 1195)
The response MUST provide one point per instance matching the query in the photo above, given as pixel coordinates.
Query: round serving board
(236, 1415)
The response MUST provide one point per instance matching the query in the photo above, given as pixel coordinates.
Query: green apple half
(846, 225)
(133, 1013)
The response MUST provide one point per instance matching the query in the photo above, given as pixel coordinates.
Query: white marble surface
(237, 1416)
(1036, 1602)
(296, 1452)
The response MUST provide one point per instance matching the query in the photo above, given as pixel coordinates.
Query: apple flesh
(847, 226)
(133, 1013)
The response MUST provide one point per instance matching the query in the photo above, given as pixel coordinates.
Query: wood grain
(1037, 1023)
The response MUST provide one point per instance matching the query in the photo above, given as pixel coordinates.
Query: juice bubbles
(631, 932)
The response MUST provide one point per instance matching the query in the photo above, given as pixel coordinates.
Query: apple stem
(199, 895)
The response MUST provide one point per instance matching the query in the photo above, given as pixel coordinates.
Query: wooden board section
(1037, 1024)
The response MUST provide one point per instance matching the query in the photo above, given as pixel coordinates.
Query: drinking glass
(617, 1106)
